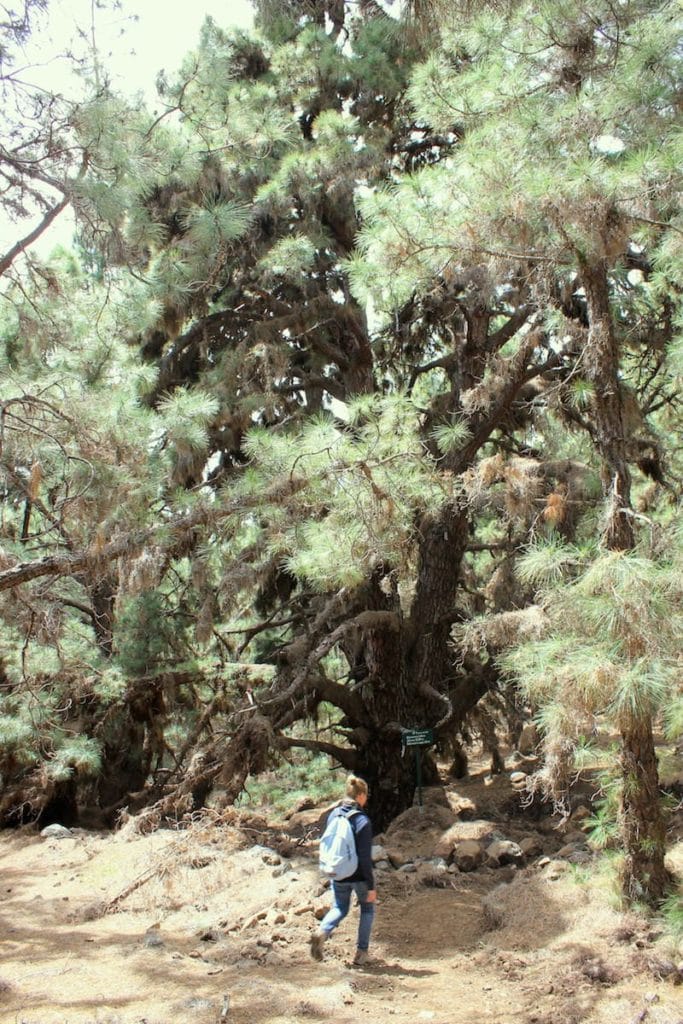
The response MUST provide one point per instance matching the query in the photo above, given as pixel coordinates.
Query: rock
(266, 854)
(311, 821)
(434, 874)
(56, 832)
(252, 951)
(462, 806)
(468, 855)
(503, 851)
(517, 777)
(661, 967)
(556, 869)
(531, 846)
(378, 853)
(575, 852)
(415, 832)
(408, 868)
(196, 1003)
(580, 857)
(581, 813)
(578, 838)
(398, 858)
(446, 843)
(529, 739)
(435, 796)
(528, 762)
(484, 831)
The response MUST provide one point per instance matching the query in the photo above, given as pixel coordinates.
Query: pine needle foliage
(611, 652)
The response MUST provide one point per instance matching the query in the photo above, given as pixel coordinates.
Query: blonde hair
(356, 786)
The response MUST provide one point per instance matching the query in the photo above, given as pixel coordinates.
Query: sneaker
(317, 943)
(362, 957)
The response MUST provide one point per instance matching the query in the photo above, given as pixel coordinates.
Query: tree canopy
(355, 402)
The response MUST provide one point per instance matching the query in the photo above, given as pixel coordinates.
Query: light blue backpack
(337, 857)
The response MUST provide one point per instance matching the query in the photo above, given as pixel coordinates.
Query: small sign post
(417, 738)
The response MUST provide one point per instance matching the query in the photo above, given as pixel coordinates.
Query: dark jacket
(362, 831)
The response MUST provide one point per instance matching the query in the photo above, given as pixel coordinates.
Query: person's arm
(364, 850)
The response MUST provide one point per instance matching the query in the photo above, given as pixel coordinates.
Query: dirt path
(216, 930)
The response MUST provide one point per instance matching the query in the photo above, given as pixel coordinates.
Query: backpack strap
(349, 812)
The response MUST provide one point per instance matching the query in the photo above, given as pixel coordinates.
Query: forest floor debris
(218, 931)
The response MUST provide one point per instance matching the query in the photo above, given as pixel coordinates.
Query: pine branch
(363, 620)
(178, 528)
(8, 259)
(346, 757)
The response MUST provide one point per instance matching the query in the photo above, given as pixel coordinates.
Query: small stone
(56, 832)
(518, 777)
(529, 739)
(556, 869)
(580, 857)
(567, 850)
(531, 846)
(468, 855)
(503, 851)
(196, 1003)
(651, 997)
(575, 837)
(379, 853)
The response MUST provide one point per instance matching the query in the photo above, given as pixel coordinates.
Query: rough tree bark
(644, 876)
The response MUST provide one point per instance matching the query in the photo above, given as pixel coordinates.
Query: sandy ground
(211, 925)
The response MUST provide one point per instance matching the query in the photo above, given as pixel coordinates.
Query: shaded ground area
(211, 924)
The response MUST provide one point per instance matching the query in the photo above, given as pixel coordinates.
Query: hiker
(361, 881)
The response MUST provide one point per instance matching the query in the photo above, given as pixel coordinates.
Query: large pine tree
(341, 446)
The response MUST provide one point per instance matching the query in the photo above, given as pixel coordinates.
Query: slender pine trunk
(645, 878)
(643, 834)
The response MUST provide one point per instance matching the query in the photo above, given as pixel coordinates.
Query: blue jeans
(342, 901)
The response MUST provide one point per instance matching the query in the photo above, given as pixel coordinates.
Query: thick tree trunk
(430, 655)
(388, 698)
(645, 878)
(410, 672)
(390, 774)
